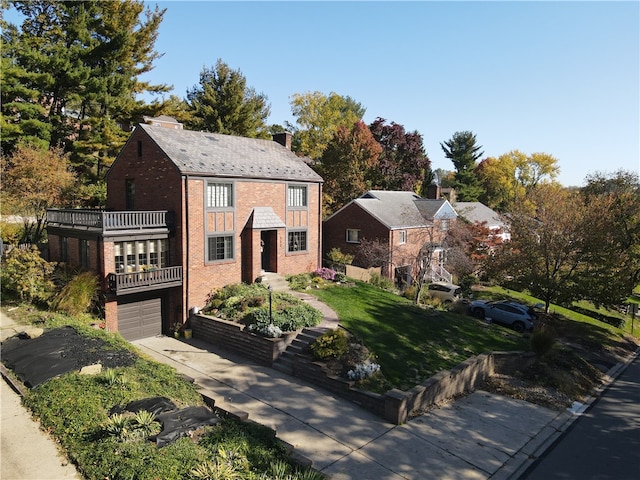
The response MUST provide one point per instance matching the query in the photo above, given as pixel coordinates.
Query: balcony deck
(110, 222)
(125, 283)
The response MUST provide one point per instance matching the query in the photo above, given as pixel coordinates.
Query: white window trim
(402, 237)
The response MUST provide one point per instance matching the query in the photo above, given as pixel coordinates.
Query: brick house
(188, 212)
(410, 228)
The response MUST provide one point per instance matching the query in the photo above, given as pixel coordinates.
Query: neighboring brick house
(188, 212)
(406, 224)
(476, 212)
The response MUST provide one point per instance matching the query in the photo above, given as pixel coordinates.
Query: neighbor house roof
(403, 209)
(203, 153)
(476, 212)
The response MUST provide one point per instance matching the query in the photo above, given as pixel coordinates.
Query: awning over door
(264, 218)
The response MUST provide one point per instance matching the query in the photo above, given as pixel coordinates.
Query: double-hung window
(402, 237)
(297, 196)
(219, 248)
(219, 195)
(297, 241)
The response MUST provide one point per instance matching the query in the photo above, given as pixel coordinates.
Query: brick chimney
(283, 139)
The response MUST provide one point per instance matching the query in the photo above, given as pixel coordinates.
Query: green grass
(580, 314)
(413, 343)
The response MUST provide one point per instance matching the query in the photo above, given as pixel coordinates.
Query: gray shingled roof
(403, 209)
(265, 218)
(203, 153)
(476, 212)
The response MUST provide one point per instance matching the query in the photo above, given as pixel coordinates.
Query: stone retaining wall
(231, 335)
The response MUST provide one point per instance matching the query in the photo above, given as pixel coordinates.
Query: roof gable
(403, 209)
(203, 153)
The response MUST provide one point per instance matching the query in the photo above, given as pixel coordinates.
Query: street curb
(517, 466)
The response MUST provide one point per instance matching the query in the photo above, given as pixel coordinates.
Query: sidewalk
(27, 452)
(481, 436)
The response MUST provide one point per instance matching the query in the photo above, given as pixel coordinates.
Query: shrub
(410, 292)
(11, 233)
(300, 281)
(332, 344)
(287, 318)
(78, 296)
(27, 274)
(335, 255)
(542, 341)
(326, 273)
(379, 281)
(363, 370)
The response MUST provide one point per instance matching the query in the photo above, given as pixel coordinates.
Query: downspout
(185, 235)
(320, 245)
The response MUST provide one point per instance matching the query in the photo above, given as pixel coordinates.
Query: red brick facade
(144, 178)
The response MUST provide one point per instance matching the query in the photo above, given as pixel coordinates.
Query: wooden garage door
(140, 319)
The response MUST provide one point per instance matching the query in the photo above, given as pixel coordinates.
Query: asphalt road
(605, 442)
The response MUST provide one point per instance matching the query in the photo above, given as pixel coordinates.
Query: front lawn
(75, 409)
(413, 343)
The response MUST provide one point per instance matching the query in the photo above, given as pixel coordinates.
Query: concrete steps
(276, 281)
(300, 344)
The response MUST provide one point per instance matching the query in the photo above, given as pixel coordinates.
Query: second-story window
(296, 196)
(402, 237)
(130, 193)
(219, 195)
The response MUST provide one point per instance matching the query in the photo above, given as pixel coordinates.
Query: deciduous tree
(318, 117)
(348, 164)
(34, 180)
(223, 103)
(403, 163)
(510, 177)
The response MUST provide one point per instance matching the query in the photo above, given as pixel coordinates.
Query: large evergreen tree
(76, 64)
(403, 163)
(464, 151)
(222, 103)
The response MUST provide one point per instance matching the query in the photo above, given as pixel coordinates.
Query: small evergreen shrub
(332, 344)
(542, 341)
(379, 281)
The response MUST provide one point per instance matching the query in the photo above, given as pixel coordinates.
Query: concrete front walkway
(480, 436)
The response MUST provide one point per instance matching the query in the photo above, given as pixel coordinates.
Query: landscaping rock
(94, 369)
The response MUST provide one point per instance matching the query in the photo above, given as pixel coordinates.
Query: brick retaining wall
(231, 335)
(395, 406)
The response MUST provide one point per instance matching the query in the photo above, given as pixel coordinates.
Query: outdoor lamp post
(270, 302)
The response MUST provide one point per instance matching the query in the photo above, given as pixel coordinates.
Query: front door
(265, 250)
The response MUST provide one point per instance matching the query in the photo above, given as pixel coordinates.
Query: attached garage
(140, 318)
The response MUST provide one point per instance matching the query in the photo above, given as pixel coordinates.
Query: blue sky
(556, 77)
